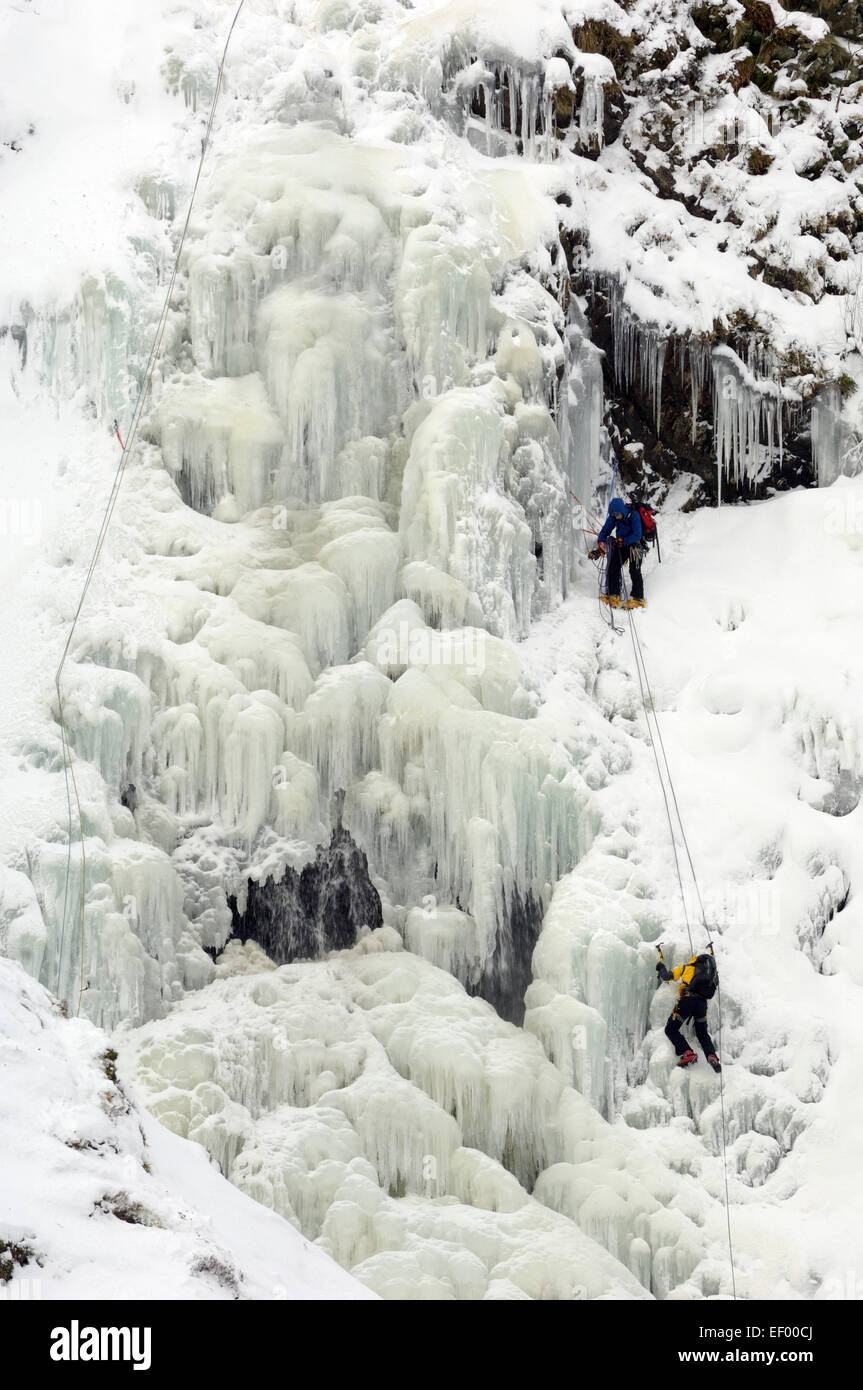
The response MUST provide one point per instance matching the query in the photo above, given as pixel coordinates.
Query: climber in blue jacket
(623, 548)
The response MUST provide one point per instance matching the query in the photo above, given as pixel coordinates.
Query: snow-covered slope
(749, 646)
(101, 1202)
(339, 690)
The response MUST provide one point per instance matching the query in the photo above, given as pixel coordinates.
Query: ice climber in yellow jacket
(698, 980)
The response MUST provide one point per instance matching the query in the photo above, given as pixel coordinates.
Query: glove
(664, 975)
(596, 552)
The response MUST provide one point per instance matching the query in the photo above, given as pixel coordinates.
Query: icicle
(527, 116)
(745, 411)
(697, 353)
(517, 107)
(512, 93)
(637, 346)
(652, 354)
(489, 98)
(591, 114)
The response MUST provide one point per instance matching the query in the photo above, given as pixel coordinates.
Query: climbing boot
(687, 1059)
(613, 600)
(714, 1061)
(634, 603)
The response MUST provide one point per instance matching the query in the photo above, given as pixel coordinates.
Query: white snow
(764, 751)
(106, 1203)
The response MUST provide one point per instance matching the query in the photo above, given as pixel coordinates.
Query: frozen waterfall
(364, 862)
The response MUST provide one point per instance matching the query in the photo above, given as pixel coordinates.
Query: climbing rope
(644, 686)
(606, 610)
(127, 448)
(641, 673)
(640, 655)
(594, 520)
(724, 1153)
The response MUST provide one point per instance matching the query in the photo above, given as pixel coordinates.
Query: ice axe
(659, 980)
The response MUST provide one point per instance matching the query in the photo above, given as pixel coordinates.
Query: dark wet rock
(321, 908)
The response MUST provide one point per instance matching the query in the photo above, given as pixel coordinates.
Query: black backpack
(705, 978)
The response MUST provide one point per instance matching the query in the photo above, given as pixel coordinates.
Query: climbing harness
(68, 766)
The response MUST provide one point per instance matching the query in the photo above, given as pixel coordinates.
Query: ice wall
(581, 408)
(357, 407)
(330, 1093)
(132, 954)
(350, 501)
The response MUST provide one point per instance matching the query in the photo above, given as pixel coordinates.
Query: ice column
(827, 435)
(581, 415)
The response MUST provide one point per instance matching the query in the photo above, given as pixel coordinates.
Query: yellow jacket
(684, 974)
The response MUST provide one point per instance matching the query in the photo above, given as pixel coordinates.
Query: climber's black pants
(694, 1008)
(627, 554)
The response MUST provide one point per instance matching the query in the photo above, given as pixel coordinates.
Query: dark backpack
(705, 978)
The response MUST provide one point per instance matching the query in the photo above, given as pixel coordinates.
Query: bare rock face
(304, 915)
(507, 974)
(712, 110)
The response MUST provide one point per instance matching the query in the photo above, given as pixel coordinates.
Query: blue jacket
(628, 530)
